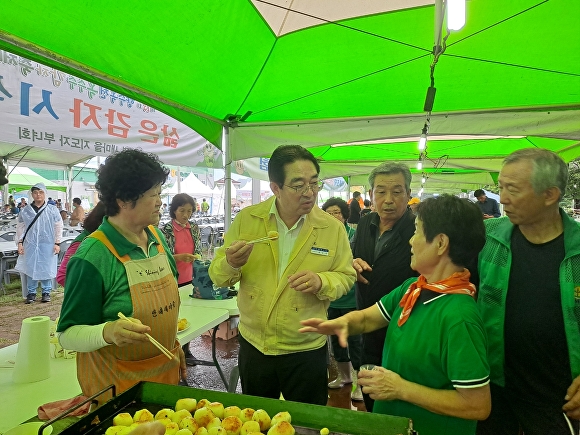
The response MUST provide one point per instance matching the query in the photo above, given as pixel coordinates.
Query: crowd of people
(449, 314)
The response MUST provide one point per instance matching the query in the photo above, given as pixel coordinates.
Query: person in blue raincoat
(39, 231)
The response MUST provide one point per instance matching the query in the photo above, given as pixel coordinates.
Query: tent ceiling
(514, 70)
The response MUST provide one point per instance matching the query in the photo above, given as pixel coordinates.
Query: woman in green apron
(124, 266)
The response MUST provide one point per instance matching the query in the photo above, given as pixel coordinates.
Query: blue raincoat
(39, 258)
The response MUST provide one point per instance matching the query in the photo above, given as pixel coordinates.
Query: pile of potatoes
(191, 417)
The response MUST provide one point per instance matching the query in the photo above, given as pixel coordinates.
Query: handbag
(203, 286)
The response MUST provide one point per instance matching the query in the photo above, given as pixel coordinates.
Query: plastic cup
(367, 367)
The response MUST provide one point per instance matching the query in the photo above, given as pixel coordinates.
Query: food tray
(306, 419)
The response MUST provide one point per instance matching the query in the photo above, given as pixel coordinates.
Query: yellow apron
(155, 299)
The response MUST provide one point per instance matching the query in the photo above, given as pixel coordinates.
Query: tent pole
(69, 192)
(256, 191)
(227, 177)
(179, 182)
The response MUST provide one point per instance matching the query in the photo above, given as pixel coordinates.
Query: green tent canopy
(327, 73)
(22, 178)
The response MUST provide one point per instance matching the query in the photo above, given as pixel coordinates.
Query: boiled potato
(232, 410)
(246, 414)
(203, 416)
(180, 415)
(281, 416)
(186, 403)
(142, 416)
(263, 419)
(282, 428)
(188, 423)
(164, 413)
(250, 427)
(123, 419)
(232, 425)
(203, 402)
(215, 422)
(217, 408)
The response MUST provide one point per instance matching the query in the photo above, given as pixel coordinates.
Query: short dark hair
(179, 200)
(356, 194)
(460, 219)
(77, 201)
(367, 202)
(341, 203)
(390, 168)
(478, 193)
(127, 175)
(284, 155)
(94, 218)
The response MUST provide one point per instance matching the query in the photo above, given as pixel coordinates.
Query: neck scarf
(458, 283)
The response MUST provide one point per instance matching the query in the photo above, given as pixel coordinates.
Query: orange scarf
(458, 283)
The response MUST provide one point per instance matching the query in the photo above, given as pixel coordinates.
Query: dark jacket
(354, 212)
(390, 269)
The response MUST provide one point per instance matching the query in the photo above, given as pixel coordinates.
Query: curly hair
(179, 200)
(340, 203)
(126, 175)
(459, 219)
(94, 218)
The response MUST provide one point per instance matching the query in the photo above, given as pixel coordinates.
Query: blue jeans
(32, 284)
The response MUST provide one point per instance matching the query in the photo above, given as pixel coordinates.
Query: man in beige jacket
(285, 280)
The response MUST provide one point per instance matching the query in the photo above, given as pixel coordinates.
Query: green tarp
(327, 72)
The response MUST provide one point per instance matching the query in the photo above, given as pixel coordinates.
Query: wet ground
(207, 377)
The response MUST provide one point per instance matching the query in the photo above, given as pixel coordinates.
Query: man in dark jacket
(381, 250)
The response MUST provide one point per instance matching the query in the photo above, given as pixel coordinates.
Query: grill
(306, 419)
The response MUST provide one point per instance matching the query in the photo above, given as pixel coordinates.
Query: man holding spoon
(284, 278)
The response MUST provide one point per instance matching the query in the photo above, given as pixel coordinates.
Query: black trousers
(353, 352)
(510, 413)
(300, 376)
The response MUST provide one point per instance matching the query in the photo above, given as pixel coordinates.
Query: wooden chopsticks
(272, 235)
(151, 339)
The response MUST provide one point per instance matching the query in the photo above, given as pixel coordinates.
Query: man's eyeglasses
(303, 188)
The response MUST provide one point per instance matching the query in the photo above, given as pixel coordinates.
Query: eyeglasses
(334, 213)
(303, 188)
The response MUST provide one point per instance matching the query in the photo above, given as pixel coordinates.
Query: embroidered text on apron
(155, 301)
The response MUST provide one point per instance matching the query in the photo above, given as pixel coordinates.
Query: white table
(231, 305)
(201, 320)
(20, 402)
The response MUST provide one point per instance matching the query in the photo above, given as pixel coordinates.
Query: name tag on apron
(319, 251)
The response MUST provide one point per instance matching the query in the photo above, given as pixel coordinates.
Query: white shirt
(286, 238)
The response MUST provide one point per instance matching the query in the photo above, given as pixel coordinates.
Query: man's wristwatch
(57, 244)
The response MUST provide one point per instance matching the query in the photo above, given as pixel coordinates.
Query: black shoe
(45, 297)
(30, 298)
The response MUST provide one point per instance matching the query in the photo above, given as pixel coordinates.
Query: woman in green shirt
(434, 367)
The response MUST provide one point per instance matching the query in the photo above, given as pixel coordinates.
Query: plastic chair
(8, 236)
(206, 234)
